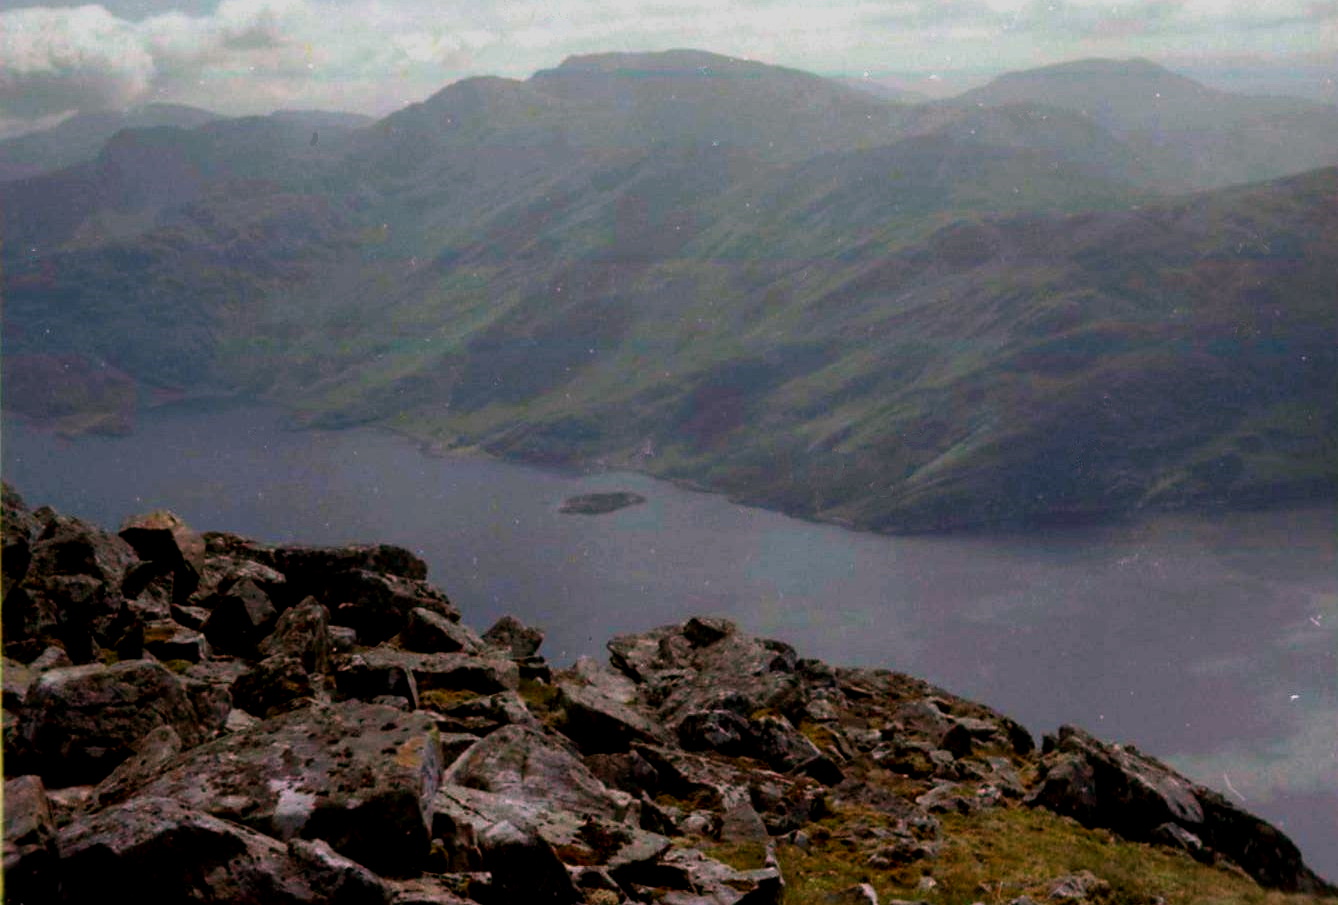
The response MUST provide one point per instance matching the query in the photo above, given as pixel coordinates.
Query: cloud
(249, 55)
(66, 59)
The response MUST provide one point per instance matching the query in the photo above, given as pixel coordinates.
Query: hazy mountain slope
(79, 138)
(1016, 370)
(141, 172)
(1194, 136)
(720, 271)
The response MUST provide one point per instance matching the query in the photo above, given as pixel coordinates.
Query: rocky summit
(198, 718)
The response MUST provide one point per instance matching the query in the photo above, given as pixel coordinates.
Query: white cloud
(62, 59)
(245, 55)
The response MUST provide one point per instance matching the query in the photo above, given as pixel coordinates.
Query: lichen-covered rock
(29, 844)
(429, 632)
(168, 640)
(152, 753)
(597, 722)
(302, 631)
(448, 672)
(528, 766)
(272, 686)
(514, 638)
(682, 670)
(360, 776)
(483, 714)
(377, 606)
(81, 721)
(167, 852)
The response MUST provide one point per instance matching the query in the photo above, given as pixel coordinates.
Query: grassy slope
(997, 855)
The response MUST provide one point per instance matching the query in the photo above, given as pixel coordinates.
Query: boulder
(528, 766)
(367, 681)
(1137, 796)
(220, 573)
(70, 546)
(688, 877)
(303, 632)
(168, 640)
(308, 564)
(79, 722)
(334, 878)
(152, 753)
(709, 665)
(513, 638)
(448, 672)
(483, 714)
(377, 606)
(1078, 887)
(597, 722)
(272, 686)
(860, 894)
(167, 852)
(240, 618)
(429, 632)
(162, 537)
(360, 776)
(525, 868)
(18, 528)
(29, 843)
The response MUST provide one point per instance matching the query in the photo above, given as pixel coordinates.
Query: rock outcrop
(203, 718)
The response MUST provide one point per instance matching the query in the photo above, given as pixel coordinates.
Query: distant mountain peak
(653, 61)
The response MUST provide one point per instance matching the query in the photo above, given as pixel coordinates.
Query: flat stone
(81, 721)
(360, 776)
(167, 852)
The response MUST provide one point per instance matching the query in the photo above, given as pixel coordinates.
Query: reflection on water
(1210, 643)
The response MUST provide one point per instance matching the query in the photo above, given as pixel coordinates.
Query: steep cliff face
(203, 718)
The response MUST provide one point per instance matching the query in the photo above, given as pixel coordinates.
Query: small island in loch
(600, 503)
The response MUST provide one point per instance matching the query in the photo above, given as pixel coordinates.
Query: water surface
(1209, 642)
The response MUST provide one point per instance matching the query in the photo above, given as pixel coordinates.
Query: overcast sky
(244, 56)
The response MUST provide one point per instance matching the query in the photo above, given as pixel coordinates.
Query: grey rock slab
(81, 721)
(360, 776)
(152, 753)
(302, 631)
(527, 766)
(429, 632)
(449, 672)
(30, 851)
(514, 638)
(599, 723)
(167, 852)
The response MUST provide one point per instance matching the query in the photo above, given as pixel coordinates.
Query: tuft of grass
(738, 855)
(443, 700)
